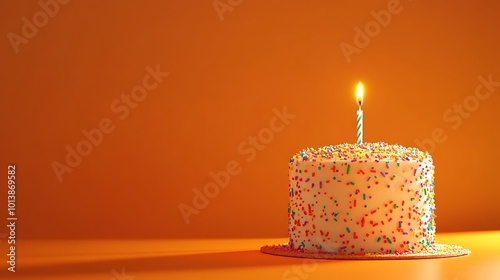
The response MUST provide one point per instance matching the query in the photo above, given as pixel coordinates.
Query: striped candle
(359, 123)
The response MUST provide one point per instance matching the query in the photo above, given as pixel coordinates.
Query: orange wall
(229, 73)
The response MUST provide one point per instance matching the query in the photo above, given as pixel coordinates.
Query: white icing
(363, 206)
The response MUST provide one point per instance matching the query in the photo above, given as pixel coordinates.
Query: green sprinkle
(300, 171)
(380, 238)
(364, 196)
(303, 245)
(292, 192)
(348, 230)
(425, 191)
(412, 199)
(395, 206)
(389, 240)
(352, 183)
(348, 168)
(319, 167)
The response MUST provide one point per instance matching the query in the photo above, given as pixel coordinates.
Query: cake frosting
(361, 198)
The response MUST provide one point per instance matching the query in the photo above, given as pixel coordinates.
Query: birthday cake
(361, 198)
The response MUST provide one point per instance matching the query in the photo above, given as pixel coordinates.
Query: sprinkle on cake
(363, 152)
(358, 199)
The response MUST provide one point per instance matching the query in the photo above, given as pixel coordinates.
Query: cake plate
(431, 252)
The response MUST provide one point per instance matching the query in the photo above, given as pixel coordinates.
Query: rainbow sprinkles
(369, 199)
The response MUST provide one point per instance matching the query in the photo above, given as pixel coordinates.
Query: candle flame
(359, 94)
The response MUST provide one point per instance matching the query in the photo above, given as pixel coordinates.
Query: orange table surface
(238, 259)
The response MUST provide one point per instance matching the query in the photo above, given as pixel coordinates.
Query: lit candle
(359, 126)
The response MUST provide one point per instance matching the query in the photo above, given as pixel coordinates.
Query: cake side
(368, 198)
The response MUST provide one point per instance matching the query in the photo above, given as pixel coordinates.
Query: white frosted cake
(358, 199)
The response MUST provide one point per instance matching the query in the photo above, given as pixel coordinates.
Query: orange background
(228, 73)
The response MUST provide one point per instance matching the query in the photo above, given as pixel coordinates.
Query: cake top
(378, 151)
